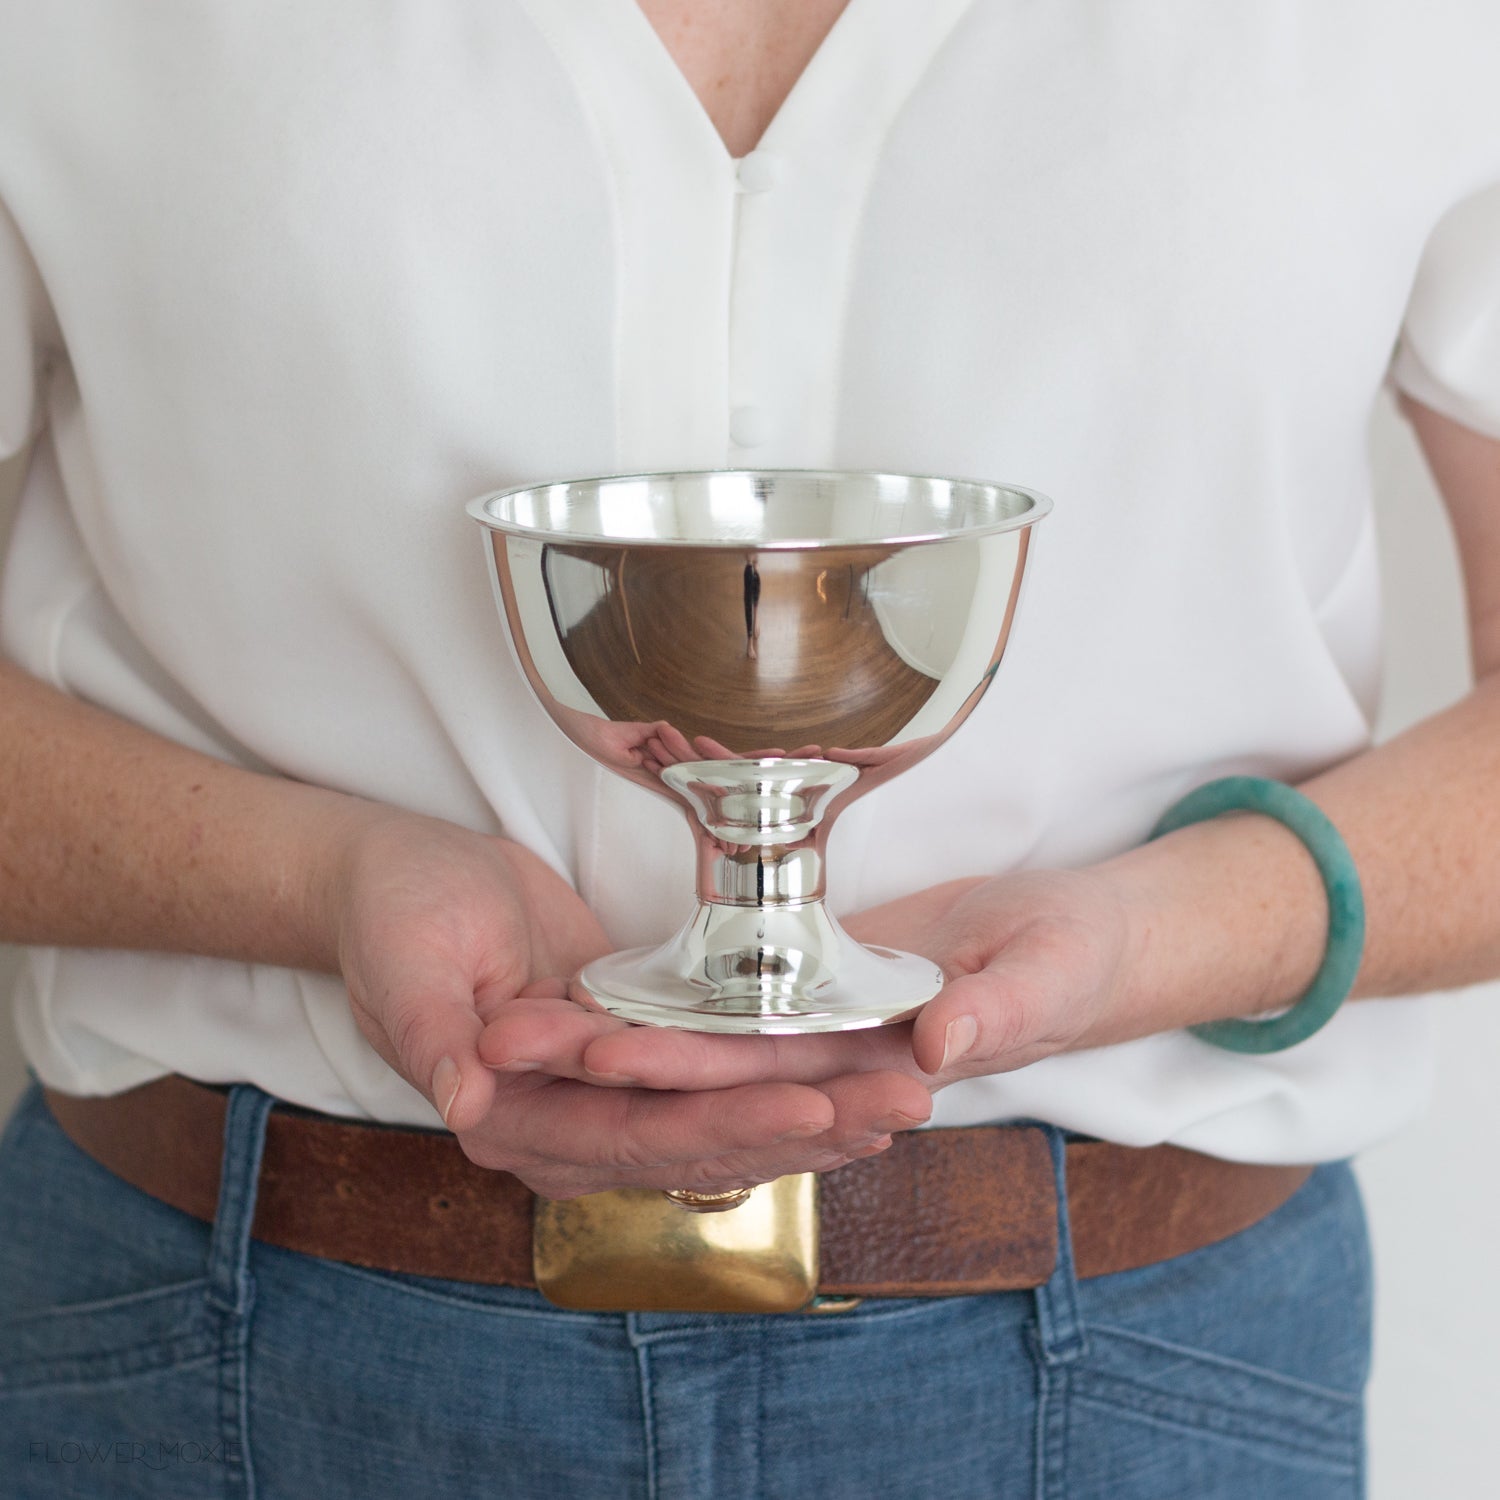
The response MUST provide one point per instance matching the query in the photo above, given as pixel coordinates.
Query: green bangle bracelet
(1346, 906)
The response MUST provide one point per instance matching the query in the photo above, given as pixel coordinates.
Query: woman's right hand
(128, 840)
(441, 931)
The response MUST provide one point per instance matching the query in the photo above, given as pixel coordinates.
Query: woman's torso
(324, 273)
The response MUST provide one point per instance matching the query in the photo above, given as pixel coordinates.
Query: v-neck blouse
(283, 285)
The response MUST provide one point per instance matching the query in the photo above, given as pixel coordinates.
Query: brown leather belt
(941, 1212)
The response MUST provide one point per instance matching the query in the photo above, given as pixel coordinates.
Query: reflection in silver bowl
(761, 647)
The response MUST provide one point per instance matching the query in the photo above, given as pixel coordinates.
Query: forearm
(111, 836)
(1229, 917)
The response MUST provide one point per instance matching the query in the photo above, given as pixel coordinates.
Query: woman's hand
(442, 932)
(1034, 961)
(437, 927)
(1035, 964)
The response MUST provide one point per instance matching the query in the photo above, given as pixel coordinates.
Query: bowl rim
(479, 508)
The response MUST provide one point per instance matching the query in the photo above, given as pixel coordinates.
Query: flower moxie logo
(154, 1455)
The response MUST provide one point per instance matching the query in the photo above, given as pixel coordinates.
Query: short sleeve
(1448, 355)
(27, 333)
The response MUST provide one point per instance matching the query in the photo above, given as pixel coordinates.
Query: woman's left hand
(1035, 963)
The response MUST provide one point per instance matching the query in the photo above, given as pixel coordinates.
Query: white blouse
(283, 285)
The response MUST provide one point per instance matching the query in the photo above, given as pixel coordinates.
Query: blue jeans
(144, 1353)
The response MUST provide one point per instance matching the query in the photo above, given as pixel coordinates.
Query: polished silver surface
(760, 647)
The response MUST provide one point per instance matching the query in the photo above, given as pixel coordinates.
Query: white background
(1434, 1193)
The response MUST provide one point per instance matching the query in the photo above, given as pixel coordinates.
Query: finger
(578, 1125)
(710, 749)
(728, 1173)
(868, 1107)
(662, 1058)
(674, 742)
(752, 1168)
(544, 989)
(427, 1014)
(543, 1033)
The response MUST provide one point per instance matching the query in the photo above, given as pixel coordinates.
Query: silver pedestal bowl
(761, 647)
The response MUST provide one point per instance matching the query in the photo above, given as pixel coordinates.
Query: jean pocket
(98, 1282)
(113, 1371)
(111, 1339)
(1150, 1417)
(122, 1396)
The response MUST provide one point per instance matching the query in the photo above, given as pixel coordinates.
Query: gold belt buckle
(637, 1250)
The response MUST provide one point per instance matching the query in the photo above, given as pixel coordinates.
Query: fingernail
(618, 1080)
(803, 1131)
(959, 1037)
(445, 1081)
(875, 1147)
(521, 1065)
(897, 1121)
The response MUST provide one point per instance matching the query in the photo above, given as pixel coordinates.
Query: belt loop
(1058, 1340)
(1059, 1325)
(229, 1286)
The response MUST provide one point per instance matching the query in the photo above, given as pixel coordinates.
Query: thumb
(429, 1018)
(975, 1020)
